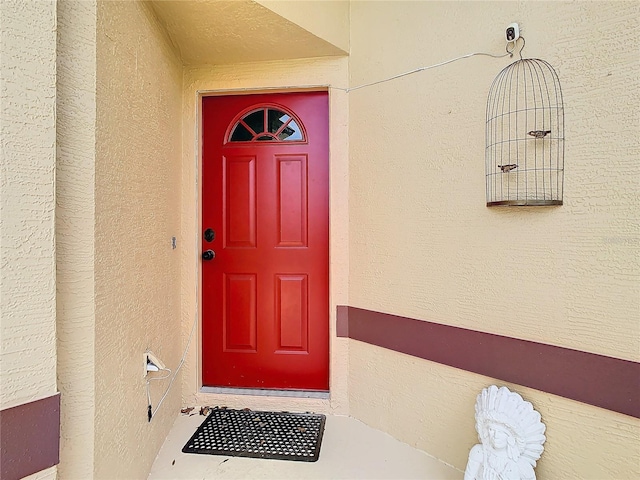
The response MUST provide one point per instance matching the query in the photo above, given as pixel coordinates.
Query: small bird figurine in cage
(507, 168)
(539, 133)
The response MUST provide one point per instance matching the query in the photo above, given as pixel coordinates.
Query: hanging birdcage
(525, 136)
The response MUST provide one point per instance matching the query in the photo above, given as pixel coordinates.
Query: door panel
(239, 208)
(265, 300)
(239, 313)
(292, 201)
(292, 313)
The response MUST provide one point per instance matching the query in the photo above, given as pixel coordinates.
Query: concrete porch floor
(350, 450)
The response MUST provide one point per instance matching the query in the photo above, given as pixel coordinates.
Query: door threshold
(263, 392)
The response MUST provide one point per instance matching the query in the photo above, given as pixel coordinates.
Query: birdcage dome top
(531, 76)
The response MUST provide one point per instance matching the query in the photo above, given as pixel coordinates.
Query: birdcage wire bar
(524, 155)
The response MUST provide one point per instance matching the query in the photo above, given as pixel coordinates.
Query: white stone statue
(512, 437)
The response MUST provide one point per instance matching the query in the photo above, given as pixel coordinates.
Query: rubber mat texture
(247, 433)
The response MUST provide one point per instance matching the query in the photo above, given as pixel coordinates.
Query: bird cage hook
(510, 52)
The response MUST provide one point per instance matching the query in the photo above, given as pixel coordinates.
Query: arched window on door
(266, 124)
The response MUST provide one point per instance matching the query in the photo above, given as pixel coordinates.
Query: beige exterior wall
(258, 77)
(215, 32)
(75, 223)
(48, 474)
(431, 407)
(27, 201)
(423, 244)
(327, 19)
(137, 211)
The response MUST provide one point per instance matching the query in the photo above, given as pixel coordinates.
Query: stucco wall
(423, 244)
(258, 77)
(431, 406)
(75, 220)
(326, 19)
(27, 201)
(137, 205)
(48, 474)
(215, 32)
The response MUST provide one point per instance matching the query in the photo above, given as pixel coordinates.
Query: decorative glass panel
(291, 132)
(280, 127)
(241, 134)
(276, 120)
(255, 121)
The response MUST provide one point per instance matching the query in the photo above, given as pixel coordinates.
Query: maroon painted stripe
(342, 325)
(30, 439)
(606, 382)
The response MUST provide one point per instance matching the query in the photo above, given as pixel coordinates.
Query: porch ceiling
(235, 31)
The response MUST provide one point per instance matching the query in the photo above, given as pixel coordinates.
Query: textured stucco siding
(327, 20)
(257, 77)
(48, 474)
(215, 32)
(137, 212)
(75, 222)
(423, 244)
(27, 201)
(431, 407)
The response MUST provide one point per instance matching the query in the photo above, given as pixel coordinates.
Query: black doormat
(245, 433)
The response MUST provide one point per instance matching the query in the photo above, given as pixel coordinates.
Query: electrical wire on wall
(429, 67)
(510, 47)
(151, 412)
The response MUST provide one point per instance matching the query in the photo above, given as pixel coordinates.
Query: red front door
(265, 221)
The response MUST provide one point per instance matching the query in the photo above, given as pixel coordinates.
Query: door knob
(208, 255)
(209, 235)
